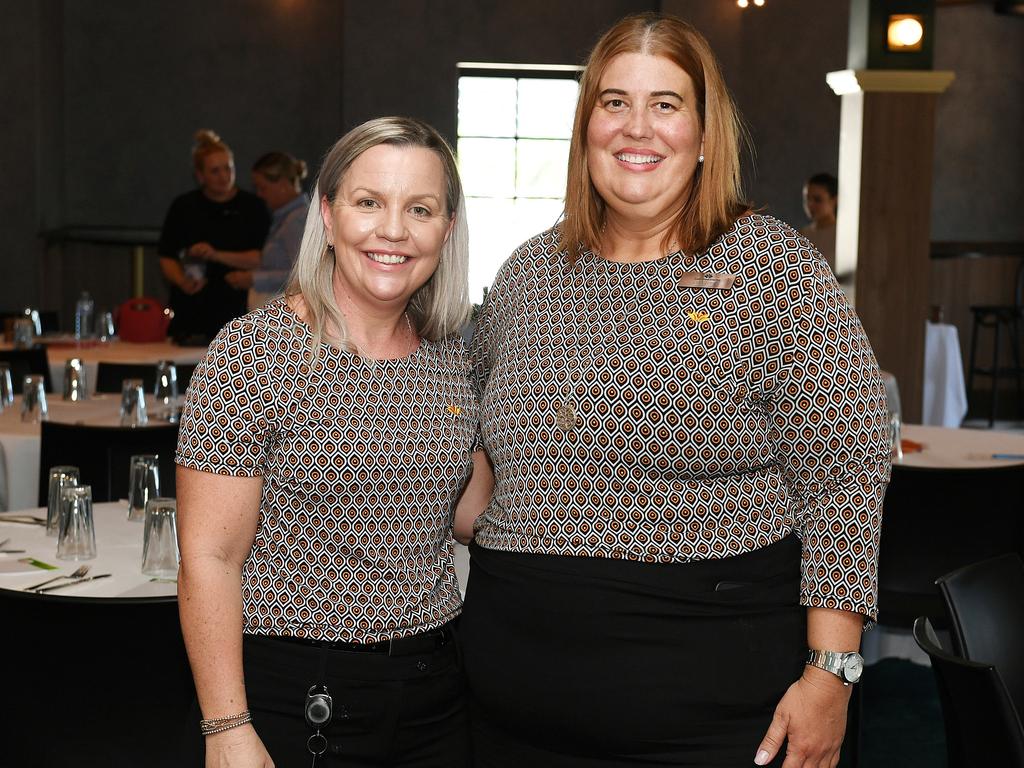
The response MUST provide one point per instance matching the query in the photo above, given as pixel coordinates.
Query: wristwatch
(846, 666)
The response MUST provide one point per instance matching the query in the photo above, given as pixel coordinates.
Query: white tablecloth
(118, 552)
(946, 448)
(945, 395)
(19, 441)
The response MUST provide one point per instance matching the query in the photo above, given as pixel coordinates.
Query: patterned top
(702, 422)
(362, 461)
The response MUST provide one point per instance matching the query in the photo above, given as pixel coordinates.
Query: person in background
(821, 195)
(277, 179)
(690, 446)
(328, 453)
(207, 233)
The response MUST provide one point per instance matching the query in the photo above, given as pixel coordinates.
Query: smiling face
(388, 223)
(644, 137)
(217, 176)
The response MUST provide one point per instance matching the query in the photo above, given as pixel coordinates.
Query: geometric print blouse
(362, 462)
(632, 414)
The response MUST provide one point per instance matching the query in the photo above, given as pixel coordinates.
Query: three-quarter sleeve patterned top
(632, 414)
(362, 462)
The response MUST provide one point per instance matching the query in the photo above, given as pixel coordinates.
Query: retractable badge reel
(318, 715)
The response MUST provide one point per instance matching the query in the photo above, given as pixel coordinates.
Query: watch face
(853, 666)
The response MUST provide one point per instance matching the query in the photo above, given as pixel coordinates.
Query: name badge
(720, 281)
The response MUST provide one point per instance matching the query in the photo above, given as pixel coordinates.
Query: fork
(78, 573)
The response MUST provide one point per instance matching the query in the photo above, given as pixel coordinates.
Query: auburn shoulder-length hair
(714, 200)
(441, 306)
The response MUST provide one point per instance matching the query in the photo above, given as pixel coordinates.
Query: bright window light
(513, 146)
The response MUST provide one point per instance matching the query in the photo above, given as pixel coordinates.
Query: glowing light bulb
(742, 3)
(905, 32)
(758, 3)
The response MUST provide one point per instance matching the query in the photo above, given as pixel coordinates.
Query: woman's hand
(237, 747)
(812, 716)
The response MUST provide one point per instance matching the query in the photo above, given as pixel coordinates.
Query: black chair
(103, 455)
(185, 371)
(983, 727)
(996, 318)
(932, 525)
(985, 607)
(110, 375)
(25, 362)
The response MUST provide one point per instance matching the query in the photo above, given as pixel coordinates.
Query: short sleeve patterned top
(362, 462)
(708, 422)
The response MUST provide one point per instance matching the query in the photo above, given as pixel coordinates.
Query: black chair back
(109, 376)
(103, 455)
(983, 727)
(25, 362)
(929, 528)
(985, 607)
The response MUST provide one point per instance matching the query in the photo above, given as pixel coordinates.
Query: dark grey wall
(101, 99)
(775, 60)
(978, 186)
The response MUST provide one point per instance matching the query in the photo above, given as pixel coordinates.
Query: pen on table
(1009, 456)
(12, 551)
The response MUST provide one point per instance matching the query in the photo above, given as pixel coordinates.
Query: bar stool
(997, 317)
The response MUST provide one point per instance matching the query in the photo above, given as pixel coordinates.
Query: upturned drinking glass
(76, 537)
(60, 478)
(76, 387)
(160, 539)
(33, 399)
(6, 386)
(133, 404)
(143, 483)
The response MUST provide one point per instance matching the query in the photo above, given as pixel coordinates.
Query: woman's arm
(812, 714)
(238, 259)
(217, 521)
(475, 497)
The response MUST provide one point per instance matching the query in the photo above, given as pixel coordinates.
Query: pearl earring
(700, 159)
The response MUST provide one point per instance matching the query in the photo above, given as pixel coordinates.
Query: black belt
(423, 642)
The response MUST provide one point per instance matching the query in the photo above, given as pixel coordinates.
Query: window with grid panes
(513, 129)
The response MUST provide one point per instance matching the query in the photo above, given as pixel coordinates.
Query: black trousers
(403, 711)
(575, 661)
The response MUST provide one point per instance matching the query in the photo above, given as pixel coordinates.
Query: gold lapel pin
(698, 316)
(454, 410)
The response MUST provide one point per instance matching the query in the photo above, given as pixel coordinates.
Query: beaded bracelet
(219, 724)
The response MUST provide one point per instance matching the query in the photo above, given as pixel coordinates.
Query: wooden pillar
(886, 148)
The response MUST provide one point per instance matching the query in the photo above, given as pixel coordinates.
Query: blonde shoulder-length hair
(441, 306)
(714, 200)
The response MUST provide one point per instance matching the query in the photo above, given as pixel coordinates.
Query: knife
(72, 583)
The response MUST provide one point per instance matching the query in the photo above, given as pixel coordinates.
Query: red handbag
(143, 320)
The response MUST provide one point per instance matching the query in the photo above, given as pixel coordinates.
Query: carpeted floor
(902, 720)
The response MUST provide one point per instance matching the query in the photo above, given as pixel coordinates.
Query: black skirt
(575, 661)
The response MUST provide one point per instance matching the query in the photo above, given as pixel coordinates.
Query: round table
(945, 448)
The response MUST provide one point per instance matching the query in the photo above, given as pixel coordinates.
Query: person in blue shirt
(277, 179)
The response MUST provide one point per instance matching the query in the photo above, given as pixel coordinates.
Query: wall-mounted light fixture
(905, 32)
(746, 3)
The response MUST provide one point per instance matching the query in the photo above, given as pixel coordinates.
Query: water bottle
(83, 316)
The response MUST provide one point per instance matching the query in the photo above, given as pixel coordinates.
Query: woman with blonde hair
(327, 450)
(277, 180)
(689, 439)
(207, 233)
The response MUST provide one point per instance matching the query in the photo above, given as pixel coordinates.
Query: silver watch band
(847, 666)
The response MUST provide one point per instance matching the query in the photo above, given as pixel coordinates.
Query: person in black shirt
(207, 233)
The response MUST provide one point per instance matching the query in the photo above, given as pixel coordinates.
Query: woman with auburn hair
(207, 233)
(689, 440)
(328, 450)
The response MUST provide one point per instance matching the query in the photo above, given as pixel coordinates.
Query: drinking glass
(75, 385)
(33, 399)
(60, 478)
(143, 484)
(33, 316)
(6, 386)
(895, 435)
(105, 326)
(24, 333)
(166, 382)
(160, 539)
(76, 537)
(133, 403)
